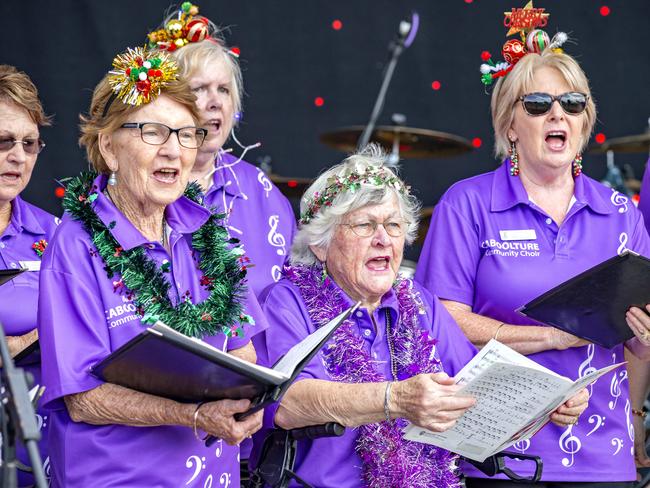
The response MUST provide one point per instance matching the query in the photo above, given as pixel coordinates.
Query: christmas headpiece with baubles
(527, 22)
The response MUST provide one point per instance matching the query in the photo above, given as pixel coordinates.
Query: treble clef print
(622, 239)
(615, 388)
(219, 450)
(599, 420)
(630, 425)
(225, 480)
(619, 200)
(522, 446)
(569, 444)
(276, 273)
(586, 368)
(208, 482)
(275, 238)
(265, 182)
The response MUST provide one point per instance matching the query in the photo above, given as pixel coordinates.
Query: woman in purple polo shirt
(132, 248)
(389, 362)
(258, 214)
(500, 239)
(25, 229)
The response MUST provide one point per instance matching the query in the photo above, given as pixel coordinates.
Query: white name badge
(518, 235)
(31, 265)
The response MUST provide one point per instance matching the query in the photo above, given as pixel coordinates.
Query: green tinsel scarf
(219, 261)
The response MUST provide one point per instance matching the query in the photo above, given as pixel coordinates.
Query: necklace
(220, 263)
(388, 460)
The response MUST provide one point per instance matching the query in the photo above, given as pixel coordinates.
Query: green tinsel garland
(220, 312)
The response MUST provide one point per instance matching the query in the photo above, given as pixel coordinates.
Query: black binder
(9, 274)
(166, 363)
(592, 305)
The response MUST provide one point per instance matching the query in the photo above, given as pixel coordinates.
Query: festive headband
(527, 22)
(138, 75)
(373, 175)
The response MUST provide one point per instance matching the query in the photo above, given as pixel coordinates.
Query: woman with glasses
(500, 239)
(258, 214)
(136, 246)
(390, 362)
(25, 229)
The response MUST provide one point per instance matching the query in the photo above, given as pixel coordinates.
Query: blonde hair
(196, 55)
(518, 82)
(97, 122)
(16, 87)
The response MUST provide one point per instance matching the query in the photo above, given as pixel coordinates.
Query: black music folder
(9, 274)
(592, 305)
(30, 355)
(164, 362)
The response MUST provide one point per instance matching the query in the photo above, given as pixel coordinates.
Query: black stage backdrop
(291, 55)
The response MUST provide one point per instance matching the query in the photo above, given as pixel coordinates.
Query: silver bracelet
(389, 385)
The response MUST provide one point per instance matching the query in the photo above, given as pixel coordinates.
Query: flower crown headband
(188, 27)
(139, 75)
(372, 175)
(527, 22)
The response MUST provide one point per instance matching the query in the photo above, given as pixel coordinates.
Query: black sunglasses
(573, 103)
(30, 146)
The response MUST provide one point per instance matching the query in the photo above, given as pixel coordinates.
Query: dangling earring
(323, 275)
(576, 166)
(514, 159)
(112, 179)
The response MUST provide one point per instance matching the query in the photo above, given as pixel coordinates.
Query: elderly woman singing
(133, 248)
(388, 363)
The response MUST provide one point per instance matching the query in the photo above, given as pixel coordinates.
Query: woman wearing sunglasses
(499, 239)
(24, 229)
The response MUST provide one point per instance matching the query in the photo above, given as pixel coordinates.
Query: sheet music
(513, 402)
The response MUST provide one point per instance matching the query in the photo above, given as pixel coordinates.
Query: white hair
(320, 228)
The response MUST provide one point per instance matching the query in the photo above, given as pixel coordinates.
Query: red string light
(292, 183)
(605, 10)
(469, 1)
(319, 101)
(59, 192)
(436, 85)
(337, 24)
(600, 138)
(476, 142)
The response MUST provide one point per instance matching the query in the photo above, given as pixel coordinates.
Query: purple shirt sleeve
(446, 251)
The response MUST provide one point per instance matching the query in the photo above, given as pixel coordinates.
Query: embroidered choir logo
(511, 249)
(122, 314)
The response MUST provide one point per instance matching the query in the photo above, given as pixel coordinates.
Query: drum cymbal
(425, 221)
(291, 186)
(413, 143)
(629, 144)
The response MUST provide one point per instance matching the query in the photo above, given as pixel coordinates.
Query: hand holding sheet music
(515, 398)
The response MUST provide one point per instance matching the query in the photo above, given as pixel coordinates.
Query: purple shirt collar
(388, 300)
(183, 216)
(508, 191)
(22, 218)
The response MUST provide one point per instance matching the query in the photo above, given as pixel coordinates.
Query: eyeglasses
(573, 103)
(156, 134)
(30, 146)
(393, 228)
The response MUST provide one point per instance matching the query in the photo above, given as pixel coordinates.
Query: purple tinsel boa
(389, 461)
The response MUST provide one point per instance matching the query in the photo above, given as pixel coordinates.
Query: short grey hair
(320, 228)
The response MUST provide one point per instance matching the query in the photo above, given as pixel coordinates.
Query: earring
(514, 159)
(576, 166)
(112, 179)
(323, 275)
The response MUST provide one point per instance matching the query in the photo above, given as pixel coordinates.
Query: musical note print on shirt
(615, 387)
(622, 239)
(599, 420)
(619, 200)
(570, 445)
(276, 273)
(586, 368)
(618, 444)
(275, 238)
(265, 182)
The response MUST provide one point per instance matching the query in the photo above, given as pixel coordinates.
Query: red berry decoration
(486, 56)
(143, 86)
(513, 50)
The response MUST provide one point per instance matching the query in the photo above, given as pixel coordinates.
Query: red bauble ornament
(197, 29)
(143, 86)
(513, 50)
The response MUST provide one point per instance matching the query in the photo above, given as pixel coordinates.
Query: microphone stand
(404, 40)
(18, 418)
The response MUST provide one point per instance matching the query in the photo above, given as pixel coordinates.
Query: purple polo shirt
(19, 297)
(644, 203)
(83, 317)
(468, 258)
(329, 462)
(258, 215)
